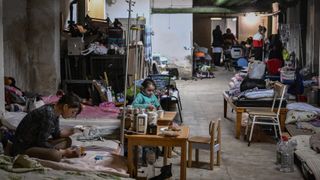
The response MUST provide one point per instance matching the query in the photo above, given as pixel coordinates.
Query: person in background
(217, 45)
(32, 136)
(229, 39)
(146, 99)
(276, 47)
(258, 43)
(248, 47)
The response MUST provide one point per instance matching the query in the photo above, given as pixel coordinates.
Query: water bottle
(287, 157)
(280, 148)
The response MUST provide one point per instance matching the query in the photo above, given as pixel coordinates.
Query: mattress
(258, 103)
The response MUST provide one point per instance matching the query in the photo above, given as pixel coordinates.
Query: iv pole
(131, 3)
(136, 59)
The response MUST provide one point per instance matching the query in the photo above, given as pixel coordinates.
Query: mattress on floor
(258, 103)
(294, 131)
(306, 158)
(108, 162)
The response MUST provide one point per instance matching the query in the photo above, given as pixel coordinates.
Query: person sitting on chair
(146, 99)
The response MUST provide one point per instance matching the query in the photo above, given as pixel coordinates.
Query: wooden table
(167, 118)
(158, 140)
(239, 110)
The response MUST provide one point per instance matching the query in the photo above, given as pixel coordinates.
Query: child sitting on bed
(33, 132)
(146, 98)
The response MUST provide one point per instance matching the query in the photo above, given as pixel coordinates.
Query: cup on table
(160, 113)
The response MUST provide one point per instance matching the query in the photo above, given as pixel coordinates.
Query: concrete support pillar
(275, 18)
(2, 101)
(44, 45)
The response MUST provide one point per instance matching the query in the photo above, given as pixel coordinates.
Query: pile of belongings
(16, 100)
(241, 87)
(99, 36)
(304, 116)
(205, 71)
(201, 53)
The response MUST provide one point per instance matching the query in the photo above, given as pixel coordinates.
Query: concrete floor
(202, 101)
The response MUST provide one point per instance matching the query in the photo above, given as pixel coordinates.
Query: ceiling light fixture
(251, 18)
(215, 19)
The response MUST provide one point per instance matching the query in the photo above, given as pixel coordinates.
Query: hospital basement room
(160, 89)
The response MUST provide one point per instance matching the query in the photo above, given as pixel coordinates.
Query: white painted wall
(120, 9)
(2, 102)
(249, 26)
(172, 3)
(172, 33)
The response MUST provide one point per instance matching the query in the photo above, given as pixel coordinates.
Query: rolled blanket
(303, 107)
(260, 93)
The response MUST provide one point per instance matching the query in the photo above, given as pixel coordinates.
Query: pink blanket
(105, 110)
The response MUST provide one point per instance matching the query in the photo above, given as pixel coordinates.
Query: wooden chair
(211, 143)
(269, 116)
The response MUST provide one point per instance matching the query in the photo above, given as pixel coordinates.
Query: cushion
(302, 142)
(295, 116)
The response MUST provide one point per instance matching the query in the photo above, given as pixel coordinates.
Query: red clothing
(258, 40)
(273, 66)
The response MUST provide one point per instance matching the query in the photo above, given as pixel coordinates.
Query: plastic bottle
(280, 148)
(287, 157)
(142, 122)
(109, 94)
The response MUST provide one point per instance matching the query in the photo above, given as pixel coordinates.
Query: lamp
(216, 19)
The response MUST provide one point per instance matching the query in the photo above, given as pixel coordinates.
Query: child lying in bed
(33, 132)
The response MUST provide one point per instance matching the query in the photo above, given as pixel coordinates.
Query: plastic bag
(256, 70)
(252, 83)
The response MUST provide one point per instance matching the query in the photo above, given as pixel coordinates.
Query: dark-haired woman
(146, 98)
(38, 134)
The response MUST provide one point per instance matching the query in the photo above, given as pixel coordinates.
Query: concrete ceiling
(242, 5)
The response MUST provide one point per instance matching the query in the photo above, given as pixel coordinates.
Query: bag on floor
(256, 70)
(252, 83)
(287, 76)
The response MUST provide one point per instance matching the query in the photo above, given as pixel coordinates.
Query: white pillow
(295, 116)
(11, 120)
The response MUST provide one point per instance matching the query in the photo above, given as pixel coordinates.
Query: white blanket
(113, 164)
(11, 120)
(261, 93)
(303, 107)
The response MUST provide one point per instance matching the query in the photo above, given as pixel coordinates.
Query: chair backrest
(279, 92)
(162, 81)
(215, 131)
